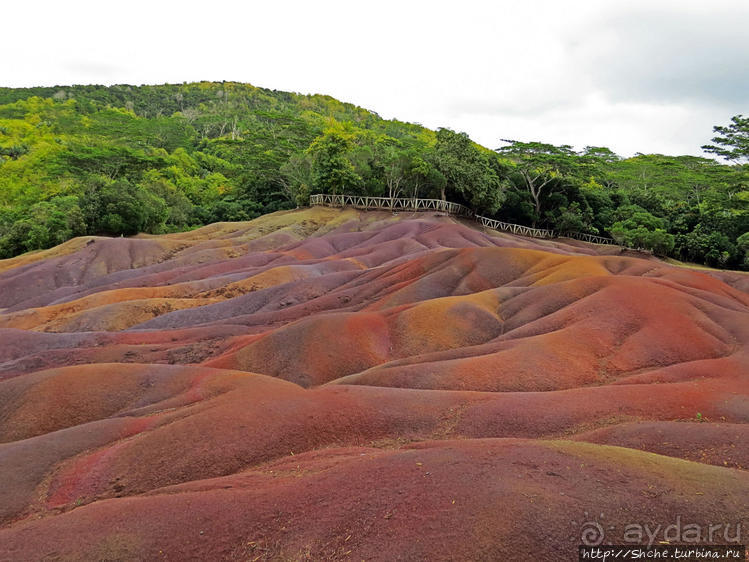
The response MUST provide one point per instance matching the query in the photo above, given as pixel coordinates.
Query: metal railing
(391, 203)
(590, 238)
(415, 204)
(515, 228)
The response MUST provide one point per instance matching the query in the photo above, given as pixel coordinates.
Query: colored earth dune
(341, 385)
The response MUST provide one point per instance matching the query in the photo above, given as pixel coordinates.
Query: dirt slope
(340, 385)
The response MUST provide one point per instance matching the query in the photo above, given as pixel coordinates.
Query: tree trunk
(535, 194)
(537, 201)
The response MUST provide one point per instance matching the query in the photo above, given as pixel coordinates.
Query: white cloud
(635, 75)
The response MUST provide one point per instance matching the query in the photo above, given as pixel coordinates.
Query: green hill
(124, 159)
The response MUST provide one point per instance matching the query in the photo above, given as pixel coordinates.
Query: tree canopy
(123, 159)
(731, 142)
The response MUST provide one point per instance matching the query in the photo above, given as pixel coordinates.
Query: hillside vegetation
(123, 159)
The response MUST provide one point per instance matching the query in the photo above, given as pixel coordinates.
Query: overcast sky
(636, 76)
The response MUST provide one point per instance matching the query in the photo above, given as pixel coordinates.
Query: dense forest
(124, 159)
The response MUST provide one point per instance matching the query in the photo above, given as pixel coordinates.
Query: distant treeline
(123, 159)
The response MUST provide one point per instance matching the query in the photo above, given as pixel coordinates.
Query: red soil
(327, 384)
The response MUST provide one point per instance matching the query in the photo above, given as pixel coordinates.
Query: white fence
(413, 204)
(391, 204)
(591, 238)
(515, 228)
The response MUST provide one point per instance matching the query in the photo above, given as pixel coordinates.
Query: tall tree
(539, 165)
(331, 169)
(394, 161)
(467, 171)
(731, 142)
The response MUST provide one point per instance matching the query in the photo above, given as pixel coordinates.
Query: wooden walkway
(438, 205)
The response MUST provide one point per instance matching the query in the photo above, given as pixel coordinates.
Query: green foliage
(45, 224)
(731, 142)
(14, 151)
(742, 246)
(122, 208)
(332, 170)
(705, 246)
(164, 158)
(540, 169)
(468, 172)
(658, 241)
(685, 206)
(638, 228)
(571, 218)
(122, 159)
(54, 221)
(108, 160)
